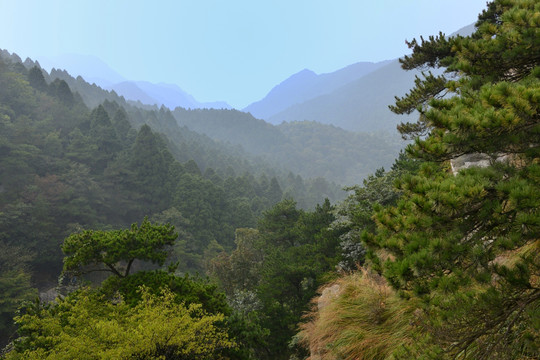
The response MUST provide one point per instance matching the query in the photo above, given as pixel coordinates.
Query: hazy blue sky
(232, 50)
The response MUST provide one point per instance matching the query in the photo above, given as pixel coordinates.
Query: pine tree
(466, 241)
(60, 89)
(36, 79)
(104, 137)
(150, 163)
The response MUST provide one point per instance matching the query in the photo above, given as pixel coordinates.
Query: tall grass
(361, 317)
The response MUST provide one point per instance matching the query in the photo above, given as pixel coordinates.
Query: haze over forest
(233, 51)
(272, 181)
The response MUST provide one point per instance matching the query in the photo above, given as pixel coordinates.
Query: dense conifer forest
(66, 167)
(124, 233)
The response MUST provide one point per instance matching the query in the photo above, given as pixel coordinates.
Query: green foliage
(87, 326)
(246, 329)
(276, 269)
(65, 167)
(309, 148)
(43, 329)
(241, 269)
(60, 89)
(354, 214)
(185, 144)
(36, 79)
(103, 136)
(147, 242)
(15, 286)
(186, 289)
(466, 242)
(457, 240)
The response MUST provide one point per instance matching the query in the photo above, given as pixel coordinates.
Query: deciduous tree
(87, 326)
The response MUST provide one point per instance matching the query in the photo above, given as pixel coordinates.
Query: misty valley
(386, 210)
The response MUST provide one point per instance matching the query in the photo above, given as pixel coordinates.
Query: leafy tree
(241, 269)
(116, 250)
(87, 326)
(466, 242)
(275, 270)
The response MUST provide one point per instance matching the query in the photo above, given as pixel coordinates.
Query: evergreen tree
(121, 124)
(295, 249)
(274, 192)
(191, 167)
(36, 79)
(117, 249)
(15, 286)
(465, 241)
(150, 165)
(103, 135)
(60, 89)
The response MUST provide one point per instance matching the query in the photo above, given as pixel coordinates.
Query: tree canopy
(459, 242)
(116, 248)
(86, 326)
(466, 240)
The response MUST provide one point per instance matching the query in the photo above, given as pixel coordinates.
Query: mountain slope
(169, 95)
(361, 105)
(255, 136)
(131, 91)
(310, 149)
(93, 69)
(306, 85)
(65, 167)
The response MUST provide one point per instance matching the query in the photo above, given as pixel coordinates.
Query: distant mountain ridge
(169, 95)
(355, 98)
(306, 85)
(361, 105)
(91, 68)
(94, 70)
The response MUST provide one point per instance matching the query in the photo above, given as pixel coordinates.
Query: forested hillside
(308, 148)
(66, 167)
(452, 262)
(247, 144)
(114, 207)
(186, 144)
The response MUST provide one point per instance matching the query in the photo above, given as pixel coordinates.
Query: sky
(233, 50)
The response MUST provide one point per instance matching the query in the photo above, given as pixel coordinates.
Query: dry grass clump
(360, 318)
